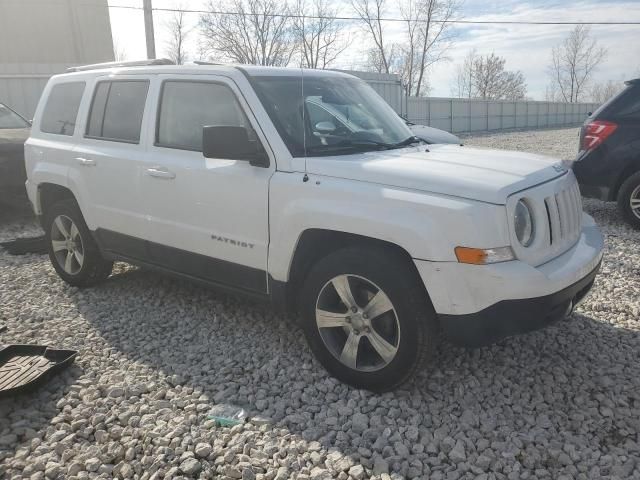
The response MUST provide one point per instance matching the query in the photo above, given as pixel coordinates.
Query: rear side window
(117, 109)
(61, 110)
(186, 107)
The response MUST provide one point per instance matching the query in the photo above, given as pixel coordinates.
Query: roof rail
(133, 63)
(202, 62)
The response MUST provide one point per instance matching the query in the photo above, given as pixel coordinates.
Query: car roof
(633, 81)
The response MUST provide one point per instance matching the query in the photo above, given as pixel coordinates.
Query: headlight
(523, 221)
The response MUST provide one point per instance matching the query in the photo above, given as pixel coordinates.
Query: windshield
(338, 115)
(10, 119)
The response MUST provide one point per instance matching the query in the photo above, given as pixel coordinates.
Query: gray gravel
(157, 354)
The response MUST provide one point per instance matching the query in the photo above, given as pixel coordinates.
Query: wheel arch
(50, 193)
(629, 170)
(316, 243)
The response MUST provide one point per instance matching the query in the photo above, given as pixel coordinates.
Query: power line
(358, 19)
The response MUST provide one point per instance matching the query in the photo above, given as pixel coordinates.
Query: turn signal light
(483, 256)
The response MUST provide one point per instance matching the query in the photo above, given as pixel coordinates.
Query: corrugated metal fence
(388, 86)
(20, 87)
(459, 115)
(471, 115)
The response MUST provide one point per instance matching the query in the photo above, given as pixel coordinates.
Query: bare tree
(490, 79)
(463, 82)
(427, 39)
(573, 63)
(178, 33)
(119, 52)
(371, 13)
(601, 92)
(260, 34)
(484, 76)
(319, 38)
(376, 62)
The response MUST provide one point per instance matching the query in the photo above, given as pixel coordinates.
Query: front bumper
(478, 305)
(512, 317)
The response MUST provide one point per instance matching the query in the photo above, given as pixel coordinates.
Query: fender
(41, 170)
(423, 224)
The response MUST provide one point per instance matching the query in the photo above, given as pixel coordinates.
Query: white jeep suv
(304, 188)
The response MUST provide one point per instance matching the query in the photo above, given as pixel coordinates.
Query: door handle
(87, 162)
(160, 173)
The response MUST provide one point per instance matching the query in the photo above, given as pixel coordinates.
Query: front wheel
(367, 318)
(629, 200)
(73, 252)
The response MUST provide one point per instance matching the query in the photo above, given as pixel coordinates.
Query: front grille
(557, 212)
(564, 214)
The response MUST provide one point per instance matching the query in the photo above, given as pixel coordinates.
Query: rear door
(208, 217)
(108, 157)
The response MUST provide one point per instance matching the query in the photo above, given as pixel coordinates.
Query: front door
(208, 218)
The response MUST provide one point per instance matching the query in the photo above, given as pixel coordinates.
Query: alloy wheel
(634, 201)
(66, 241)
(358, 323)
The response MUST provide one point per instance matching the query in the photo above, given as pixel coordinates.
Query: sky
(525, 47)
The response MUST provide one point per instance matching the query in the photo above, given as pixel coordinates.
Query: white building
(39, 38)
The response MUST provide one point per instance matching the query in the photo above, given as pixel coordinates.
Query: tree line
(307, 33)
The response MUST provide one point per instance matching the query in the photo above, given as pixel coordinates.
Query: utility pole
(148, 29)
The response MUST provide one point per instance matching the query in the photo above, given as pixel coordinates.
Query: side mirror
(232, 143)
(325, 127)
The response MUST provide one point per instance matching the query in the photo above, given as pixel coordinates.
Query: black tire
(94, 268)
(416, 321)
(630, 190)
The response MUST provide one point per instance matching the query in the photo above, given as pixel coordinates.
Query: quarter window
(117, 109)
(61, 110)
(186, 107)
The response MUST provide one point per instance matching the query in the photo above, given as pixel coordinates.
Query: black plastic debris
(25, 367)
(24, 245)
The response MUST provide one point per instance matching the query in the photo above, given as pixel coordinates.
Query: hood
(476, 173)
(433, 135)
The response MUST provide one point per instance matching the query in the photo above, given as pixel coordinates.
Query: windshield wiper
(361, 145)
(406, 142)
(349, 145)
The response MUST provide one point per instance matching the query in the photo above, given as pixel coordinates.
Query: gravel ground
(157, 354)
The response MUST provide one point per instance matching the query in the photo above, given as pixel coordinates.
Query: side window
(61, 110)
(117, 109)
(186, 107)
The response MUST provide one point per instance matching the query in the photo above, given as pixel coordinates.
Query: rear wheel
(629, 200)
(73, 251)
(367, 318)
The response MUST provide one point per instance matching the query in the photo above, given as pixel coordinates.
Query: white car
(378, 242)
(433, 135)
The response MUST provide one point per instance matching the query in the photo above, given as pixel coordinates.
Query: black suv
(608, 164)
